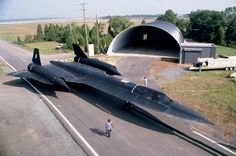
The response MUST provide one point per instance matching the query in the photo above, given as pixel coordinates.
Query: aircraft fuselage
(147, 99)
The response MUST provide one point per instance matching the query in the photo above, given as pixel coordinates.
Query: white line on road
(57, 110)
(8, 64)
(212, 141)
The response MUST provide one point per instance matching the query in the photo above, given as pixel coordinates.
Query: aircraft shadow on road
(103, 101)
(21, 83)
(115, 107)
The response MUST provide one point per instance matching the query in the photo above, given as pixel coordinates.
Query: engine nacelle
(31, 67)
(108, 68)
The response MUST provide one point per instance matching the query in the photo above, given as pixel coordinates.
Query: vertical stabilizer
(36, 57)
(78, 51)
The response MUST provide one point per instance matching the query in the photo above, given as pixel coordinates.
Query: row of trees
(202, 25)
(71, 33)
(206, 26)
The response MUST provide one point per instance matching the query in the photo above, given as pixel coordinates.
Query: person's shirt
(145, 81)
(108, 125)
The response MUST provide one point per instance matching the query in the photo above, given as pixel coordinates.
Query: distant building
(159, 39)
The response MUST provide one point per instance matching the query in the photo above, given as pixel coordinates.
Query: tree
(169, 16)
(28, 38)
(39, 35)
(82, 31)
(183, 25)
(143, 21)
(93, 35)
(70, 40)
(230, 13)
(46, 32)
(207, 26)
(19, 39)
(220, 36)
(230, 18)
(105, 42)
(51, 36)
(118, 24)
(231, 32)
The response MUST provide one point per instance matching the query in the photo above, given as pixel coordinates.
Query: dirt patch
(163, 71)
(109, 59)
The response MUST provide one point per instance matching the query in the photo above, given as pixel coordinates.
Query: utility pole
(97, 27)
(85, 27)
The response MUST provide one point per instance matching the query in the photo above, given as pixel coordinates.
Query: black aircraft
(98, 75)
(82, 58)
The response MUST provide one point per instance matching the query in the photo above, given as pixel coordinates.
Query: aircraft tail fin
(36, 57)
(78, 52)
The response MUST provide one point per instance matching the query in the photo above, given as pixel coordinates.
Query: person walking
(145, 81)
(108, 127)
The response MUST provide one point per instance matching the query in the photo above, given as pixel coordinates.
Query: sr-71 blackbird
(99, 75)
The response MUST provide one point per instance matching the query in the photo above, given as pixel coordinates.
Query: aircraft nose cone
(117, 72)
(114, 73)
(184, 112)
(60, 82)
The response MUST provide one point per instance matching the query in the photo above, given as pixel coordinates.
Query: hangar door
(190, 55)
(151, 40)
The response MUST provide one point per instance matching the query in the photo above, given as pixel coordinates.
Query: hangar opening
(158, 38)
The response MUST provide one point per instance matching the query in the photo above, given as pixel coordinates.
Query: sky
(21, 9)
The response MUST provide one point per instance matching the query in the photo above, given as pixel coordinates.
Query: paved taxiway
(27, 126)
(87, 109)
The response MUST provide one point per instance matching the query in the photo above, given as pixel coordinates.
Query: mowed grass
(45, 47)
(211, 93)
(221, 50)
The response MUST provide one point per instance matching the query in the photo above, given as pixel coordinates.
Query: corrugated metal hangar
(160, 39)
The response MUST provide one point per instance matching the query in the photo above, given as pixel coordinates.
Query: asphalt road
(134, 69)
(27, 126)
(88, 109)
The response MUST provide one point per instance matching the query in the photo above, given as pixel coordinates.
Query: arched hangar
(156, 38)
(159, 38)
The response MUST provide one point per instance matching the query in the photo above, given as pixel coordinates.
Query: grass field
(45, 47)
(11, 31)
(212, 93)
(221, 50)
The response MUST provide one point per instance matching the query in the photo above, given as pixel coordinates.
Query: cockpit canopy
(152, 94)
